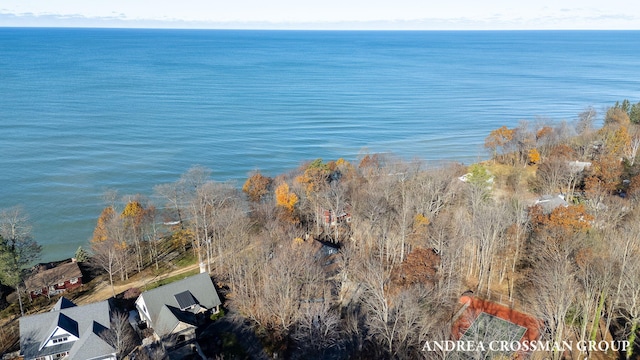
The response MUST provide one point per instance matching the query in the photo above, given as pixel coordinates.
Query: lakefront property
(256, 194)
(50, 280)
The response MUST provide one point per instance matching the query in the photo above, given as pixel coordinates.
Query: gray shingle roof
(80, 321)
(164, 307)
(170, 317)
(550, 202)
(91, 345)
(63, 303)
(58, 274)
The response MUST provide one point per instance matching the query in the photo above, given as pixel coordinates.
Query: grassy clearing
(171, 279)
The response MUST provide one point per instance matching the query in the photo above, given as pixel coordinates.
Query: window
(61, 284)
(73, 281)
(60, 340)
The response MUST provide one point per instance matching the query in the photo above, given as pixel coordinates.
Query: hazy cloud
(565, 19)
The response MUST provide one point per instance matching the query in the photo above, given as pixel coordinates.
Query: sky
(327, 14)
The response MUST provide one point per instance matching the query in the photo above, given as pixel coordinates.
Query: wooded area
(368, 259)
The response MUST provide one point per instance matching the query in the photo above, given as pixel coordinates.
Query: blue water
(85, 110)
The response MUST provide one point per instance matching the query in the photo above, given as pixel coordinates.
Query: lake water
(85, 110)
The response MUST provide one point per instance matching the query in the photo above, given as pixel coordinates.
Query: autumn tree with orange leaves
(100, 232)
(257, 187)
(286, 200)
(420, 267)
(534, 156)
(605, 176)
(498, 139)
(561, 223)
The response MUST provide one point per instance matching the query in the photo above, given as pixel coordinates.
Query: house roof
(79, 321)
(550, 202)
(63, 303)
(91, 345)
(578, 166)
(166, 304)
(170, 317)
(185, 299)
(58, 274)
(65, 323)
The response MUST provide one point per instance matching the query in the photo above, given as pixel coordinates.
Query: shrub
(132, 293)
(217, 315)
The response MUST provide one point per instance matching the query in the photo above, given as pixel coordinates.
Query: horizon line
(49, 26)
(603, 23)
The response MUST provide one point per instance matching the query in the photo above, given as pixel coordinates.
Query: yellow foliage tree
(420, 220)
(616, 116)
(420, 225)
(616, 141)
(534, 156)
(285, 198)
(100, 233)
(133, 214)
(342, 162)
(298, 241)
(182, 238)
(133, 209)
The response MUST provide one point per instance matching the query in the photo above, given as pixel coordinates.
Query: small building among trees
(50, 281)
(331, 218)
(551, 202)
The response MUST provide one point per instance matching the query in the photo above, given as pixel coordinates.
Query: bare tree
(489, 226)
(205, 209)
(120, 334)
(179, 193)
(273, 285)
(631, 149)
(175, 196)
(624, 252)
(553, 175)
(553, 275)
(594, 277)
(105, 257)
(111, 252)
(382, 316)
(585, 121)
(319, 332)
(630, 304)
